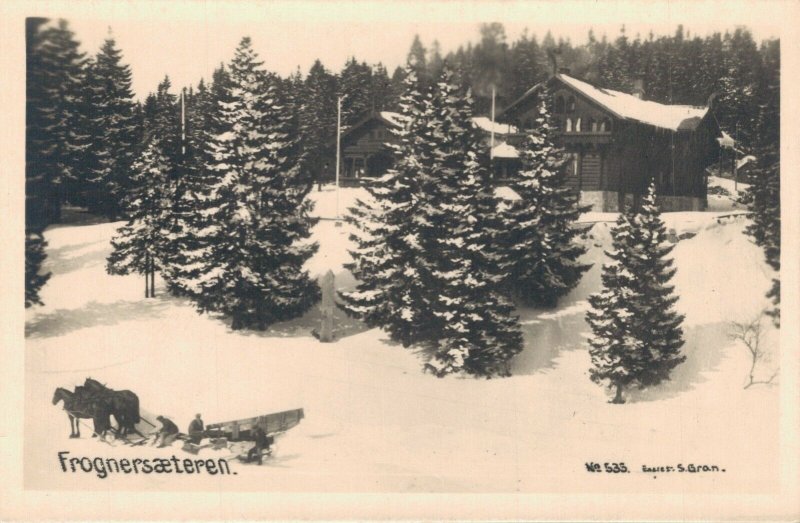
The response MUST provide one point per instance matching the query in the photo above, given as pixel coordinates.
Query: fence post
(327, 306)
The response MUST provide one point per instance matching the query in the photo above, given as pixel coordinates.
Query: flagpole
(183, 123)
(338, 151)
(491, 139)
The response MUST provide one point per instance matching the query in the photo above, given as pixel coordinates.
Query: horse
(124, 405)
(79, 405)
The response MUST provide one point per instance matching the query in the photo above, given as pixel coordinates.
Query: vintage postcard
(389, 260)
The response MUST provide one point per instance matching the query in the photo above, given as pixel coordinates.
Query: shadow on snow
(705, 348)
(59, 261)
(93, 314)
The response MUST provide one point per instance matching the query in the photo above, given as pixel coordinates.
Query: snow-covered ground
(374, 421)
(725, 202)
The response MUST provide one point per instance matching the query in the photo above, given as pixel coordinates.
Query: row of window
(589, 126)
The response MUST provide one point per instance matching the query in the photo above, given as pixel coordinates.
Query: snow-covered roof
(629, 107)
(504, 150)
(392, 118)
(726, 141)
(744, 161)
(487, 125)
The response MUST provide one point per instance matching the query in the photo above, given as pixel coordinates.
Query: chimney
(563, 70)
(638, 88)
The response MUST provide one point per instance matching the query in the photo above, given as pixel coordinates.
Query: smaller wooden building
(619, 142)
(365, 151)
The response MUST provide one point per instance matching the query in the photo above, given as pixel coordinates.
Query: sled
(241, 429)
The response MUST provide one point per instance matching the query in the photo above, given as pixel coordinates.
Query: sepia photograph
(478, 249)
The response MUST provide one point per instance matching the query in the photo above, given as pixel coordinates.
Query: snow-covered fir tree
(763, 197)
(194, 209)
(34, 256)
(355, 84)
(317, 119)
(381, 89)
(637, 335)
(139, 246)
(459, 226)
(428, 267)
(541, 236)
(390, 293)
(255, 243)
(55, 140)
(113, 131)
(162, 120)
(614, 68)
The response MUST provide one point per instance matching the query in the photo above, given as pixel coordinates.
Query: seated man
(196, 429)
(168, 433)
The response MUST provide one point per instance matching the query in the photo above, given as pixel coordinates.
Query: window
(591, 125)
(605, 126)
(568, 127)
(578, 125)
(559, 104)
(571, 104)
(572, 162)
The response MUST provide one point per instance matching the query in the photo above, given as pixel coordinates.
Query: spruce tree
(113, 131)
(317, 120)
(192, 229)
(139, 245)
(477, 332)
(525, 67)
(542, 234)
(614, 70)
(54, 115)
(162, 120)
(34, 257)
(355, 84)
(381, 89)
(390, 293)
(763, 197)
(637, 335)
(428, 265)
(256, 209)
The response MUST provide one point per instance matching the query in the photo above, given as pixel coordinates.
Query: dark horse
(80, 404)
(124, 405)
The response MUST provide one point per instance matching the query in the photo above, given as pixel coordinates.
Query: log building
(617, 142)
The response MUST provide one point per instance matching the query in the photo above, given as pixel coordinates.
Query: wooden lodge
(365, 153)
(618, 142)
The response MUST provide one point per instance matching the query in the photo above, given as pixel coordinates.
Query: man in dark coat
(196, 429)
(168, 433)
(262, 443)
